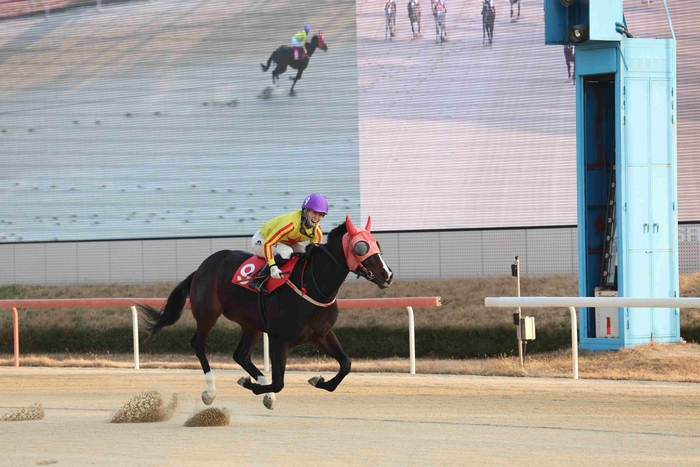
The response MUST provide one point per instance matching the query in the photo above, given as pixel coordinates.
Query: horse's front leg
(242, 356)
(329, 344)
(278, 357)
(296, 78)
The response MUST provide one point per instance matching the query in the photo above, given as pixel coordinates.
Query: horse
(570, 62)
(390, 14)
(284, 57)
(414, 16)
(433, 7)
(440, 31)
(513, 2)
(301, 310)
(488, 16)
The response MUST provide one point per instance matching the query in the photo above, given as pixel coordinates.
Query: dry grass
(462, 298)
(146, 407)
(33, 412)
(654, 362)
(210, 417)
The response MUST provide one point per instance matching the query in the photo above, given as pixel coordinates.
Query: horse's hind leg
(277, 72)
(198, 340)
(330, 345)
(242, 354)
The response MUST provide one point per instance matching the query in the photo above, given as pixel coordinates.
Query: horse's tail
(154, 320)
(267, 67)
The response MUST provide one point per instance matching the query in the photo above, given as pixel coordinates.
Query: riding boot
(260, 278)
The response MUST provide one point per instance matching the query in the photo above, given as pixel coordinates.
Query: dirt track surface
(371, 419)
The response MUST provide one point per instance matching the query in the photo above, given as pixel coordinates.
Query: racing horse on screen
(284, 57)
(302, 310)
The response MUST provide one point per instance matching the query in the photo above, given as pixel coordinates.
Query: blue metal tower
(626, 170)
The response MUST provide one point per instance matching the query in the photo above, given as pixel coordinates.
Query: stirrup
(262, 276)
(258, 284)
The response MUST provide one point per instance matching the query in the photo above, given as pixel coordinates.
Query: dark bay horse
(569, 52)
(488, 17)
(284, 57)
(513, 2)
(289, 318)
(414, 16)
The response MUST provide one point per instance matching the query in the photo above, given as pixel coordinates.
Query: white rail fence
(588, 302)
(399, 302)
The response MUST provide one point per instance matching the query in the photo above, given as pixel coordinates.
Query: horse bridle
(363, 271)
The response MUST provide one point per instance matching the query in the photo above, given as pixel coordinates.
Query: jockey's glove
(275, 272)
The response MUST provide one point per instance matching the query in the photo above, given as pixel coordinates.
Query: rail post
(411, 340)
(15, 329)
(135, 321)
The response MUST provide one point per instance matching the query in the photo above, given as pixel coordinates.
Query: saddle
(245, 272)
(299, 53)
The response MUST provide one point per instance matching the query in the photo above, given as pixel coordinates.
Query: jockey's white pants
(282, 249)
(296, 43)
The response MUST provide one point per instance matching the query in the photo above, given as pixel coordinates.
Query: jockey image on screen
(299, 42)
(287, 234)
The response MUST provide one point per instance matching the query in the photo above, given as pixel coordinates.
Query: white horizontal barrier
(590, 302)
(566, 302)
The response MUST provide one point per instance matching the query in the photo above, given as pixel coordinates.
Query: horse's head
(364, 256)
(321, 43)
(316, 42)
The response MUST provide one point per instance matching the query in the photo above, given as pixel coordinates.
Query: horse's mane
(337, 233)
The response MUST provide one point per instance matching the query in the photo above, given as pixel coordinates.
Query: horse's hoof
(269, 401)
(243, 379)
(208, 396)
(316, 380)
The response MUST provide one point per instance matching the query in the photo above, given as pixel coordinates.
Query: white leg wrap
(209, 393)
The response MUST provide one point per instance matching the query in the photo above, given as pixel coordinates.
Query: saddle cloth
(246, 271)
(299, 53)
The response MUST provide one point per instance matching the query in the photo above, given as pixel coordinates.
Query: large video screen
(162, 119)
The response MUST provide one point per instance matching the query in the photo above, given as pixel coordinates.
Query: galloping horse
(301, 310)
(284, 57)
(439, 12)
(390, 13)
(414, 16)
(569, 52)
(488, 16)
(513, 2)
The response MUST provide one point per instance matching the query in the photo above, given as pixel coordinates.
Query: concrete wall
(412, 255)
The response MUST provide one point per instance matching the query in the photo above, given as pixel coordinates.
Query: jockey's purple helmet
(307, 28)
(316, 202)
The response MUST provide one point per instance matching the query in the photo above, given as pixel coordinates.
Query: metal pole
(411, 339)
(15, 326)
(574, 341)
(520, 340)
(266, 352)
(135, 321)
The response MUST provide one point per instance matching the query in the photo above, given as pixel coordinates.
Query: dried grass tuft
(146, 407)
(210, 417)
(33, 412)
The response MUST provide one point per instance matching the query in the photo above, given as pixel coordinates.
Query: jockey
(390, 6)
(299, 41)
(440, 6)
(287, 234)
